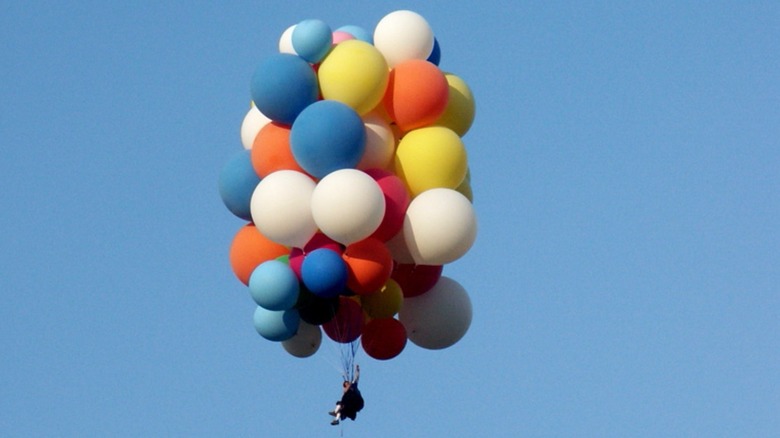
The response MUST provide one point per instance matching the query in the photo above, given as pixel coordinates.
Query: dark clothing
(351, 402)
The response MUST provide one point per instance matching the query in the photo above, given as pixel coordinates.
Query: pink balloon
(339, 36)
(396, 202)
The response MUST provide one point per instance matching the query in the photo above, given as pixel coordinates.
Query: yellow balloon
(354, 73)
(460, 110)
(384, 303)
(431, 157)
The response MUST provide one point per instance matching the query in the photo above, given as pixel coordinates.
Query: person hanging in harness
(351, 401)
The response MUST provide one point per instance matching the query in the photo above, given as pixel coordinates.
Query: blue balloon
(312, 39)
(274, 286)
(324, 273)
(435, 56)
(282, 86)
(276, 325)
(327, 136)
(358, 32)
(237, 182)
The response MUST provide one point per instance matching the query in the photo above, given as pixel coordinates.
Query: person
(351, 400)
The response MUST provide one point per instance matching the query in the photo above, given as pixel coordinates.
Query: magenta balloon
(396, 202)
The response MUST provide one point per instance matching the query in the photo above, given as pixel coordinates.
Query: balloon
(403, 35)
(327, 136)
(369, 265)
(274, 286)
(354, 73)
(237, 181)
(271, 151)
(399, 249)
(281, 207)
(319, 240)
(347, 324)
(285, 41)
(250, 248)
(340, 36)
(282, 86)
(306, 342)
(460, 110)
(465, 189)
(435, 56)
(384, 303)
(439, 318)
(358, 32)
(429, 158)
(396, 202)
(416, 95)
(276, 325)
(250, 126)
(384, 338)
(347, 205)
(312, 39)
(414, 279)
(380, 143)
(324, 273)
(316, 310)
(440, 227)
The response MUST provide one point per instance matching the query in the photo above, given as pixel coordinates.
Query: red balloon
(396, 202)
(383, 338)
(348, 323)
(318, 241)
(369, 265)
(416, 279)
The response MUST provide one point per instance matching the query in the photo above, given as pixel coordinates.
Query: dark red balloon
(416, 279)
(383, 338)
(348, 323)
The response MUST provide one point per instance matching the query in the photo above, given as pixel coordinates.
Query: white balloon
(306, 342)
(285, 41)
(380, 143)
(348, 205)
(403, 35)
(281, 208)
(440, 226)
(438, 318)
(253, 122)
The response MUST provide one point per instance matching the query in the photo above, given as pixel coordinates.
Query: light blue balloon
(324, 273)
(312, 39)
(358, 32)
(282, 86)
(274, 286)
(237, 182)
(327, 136)
(276, 325)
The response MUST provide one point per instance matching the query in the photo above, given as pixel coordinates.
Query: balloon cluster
(354, 182)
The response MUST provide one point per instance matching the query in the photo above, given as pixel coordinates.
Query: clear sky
(625, 279)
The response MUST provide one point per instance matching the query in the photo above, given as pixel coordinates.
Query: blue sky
(624, 161)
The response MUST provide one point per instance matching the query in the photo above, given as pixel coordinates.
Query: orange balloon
(271, 150)
(369, 265)
(249, 249)
(416, 95)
